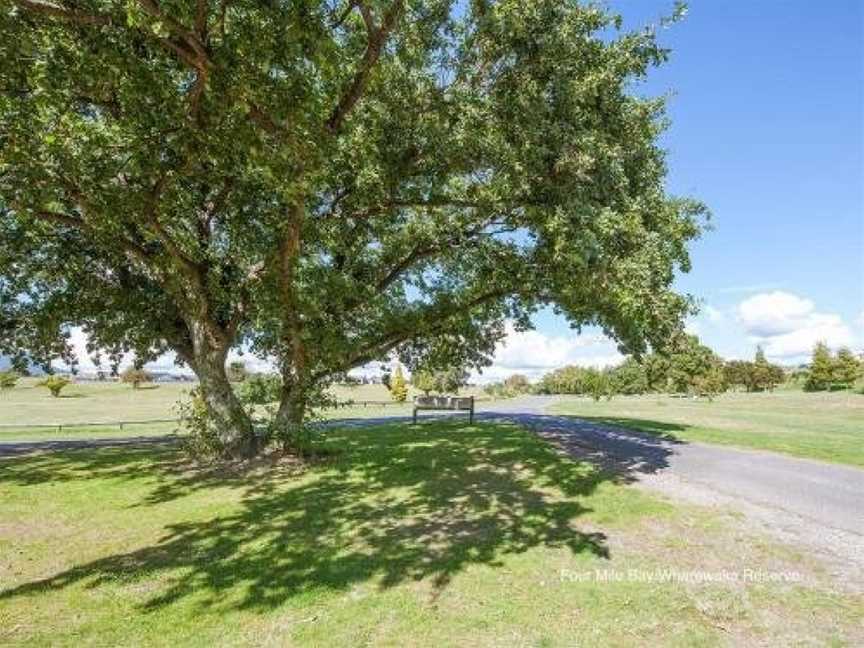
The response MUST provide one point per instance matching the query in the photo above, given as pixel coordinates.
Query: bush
(261, 389)
(8, 380)
(517, 384)
(200, 438)
(135, 377)
(398, 386)
(54, 384)
(513, 386)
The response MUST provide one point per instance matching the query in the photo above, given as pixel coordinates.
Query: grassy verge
(824, 426)
(441, 534)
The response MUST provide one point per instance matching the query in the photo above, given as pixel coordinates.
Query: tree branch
(185, 34)
(393, 338)
(376, 37)
(79, 223)
(78, 17)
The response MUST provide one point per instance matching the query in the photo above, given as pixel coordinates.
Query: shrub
(8, 380)
(54, 384)
(200, 437)
(261, 389)
(135, 377)
(398, 386)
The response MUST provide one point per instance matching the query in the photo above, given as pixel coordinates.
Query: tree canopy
(328, 182)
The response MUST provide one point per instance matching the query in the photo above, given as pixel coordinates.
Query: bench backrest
(444, 402)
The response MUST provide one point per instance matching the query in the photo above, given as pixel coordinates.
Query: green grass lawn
(110, 402)
(440, 534)
(824, 426)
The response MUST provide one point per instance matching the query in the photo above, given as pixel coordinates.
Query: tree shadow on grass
(399, 503)
(661, 429)
(624, 446)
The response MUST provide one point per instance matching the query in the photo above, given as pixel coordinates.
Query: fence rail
(59, 426)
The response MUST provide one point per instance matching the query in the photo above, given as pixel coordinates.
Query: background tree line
(690, 368)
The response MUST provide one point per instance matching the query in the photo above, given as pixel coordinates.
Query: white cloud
(788, 326)
(165, 363)
(774, 313)
(533, 353)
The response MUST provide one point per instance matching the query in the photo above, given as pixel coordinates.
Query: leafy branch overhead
(328, 182)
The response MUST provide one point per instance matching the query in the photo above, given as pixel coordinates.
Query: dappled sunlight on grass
(428, 534)
(397, 503)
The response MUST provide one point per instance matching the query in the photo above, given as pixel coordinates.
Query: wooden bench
(451, 403)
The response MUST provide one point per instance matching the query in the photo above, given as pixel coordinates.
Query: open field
(442, 534)
(824, 426)
(110, 402)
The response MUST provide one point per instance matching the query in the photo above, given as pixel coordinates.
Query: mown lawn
(823, 426)
(440, 534)
(108, 403)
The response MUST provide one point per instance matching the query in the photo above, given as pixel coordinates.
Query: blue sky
(768, 130)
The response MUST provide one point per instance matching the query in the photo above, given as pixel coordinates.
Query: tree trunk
(291, 415)
(231, 421)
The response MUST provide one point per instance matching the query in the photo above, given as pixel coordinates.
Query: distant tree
(847, 368)
(711, 382)
(517, 384)
(598, 384)
(398, 386)
(450, 381)
(762, 374)
(657, 372)
(821, 372)
(736, 373)
(496, 390)
(447, 381)
(136, 377)
(8, 380)
(776, 377)
(693, 367)
(54, 384)
(424, 381)
(566, 380)
(386, 376)
(629, 378)
(237, 371)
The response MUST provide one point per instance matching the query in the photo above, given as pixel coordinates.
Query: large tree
(328, 182)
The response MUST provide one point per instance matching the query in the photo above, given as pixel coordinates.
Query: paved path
(16, 448)
(828, 494)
